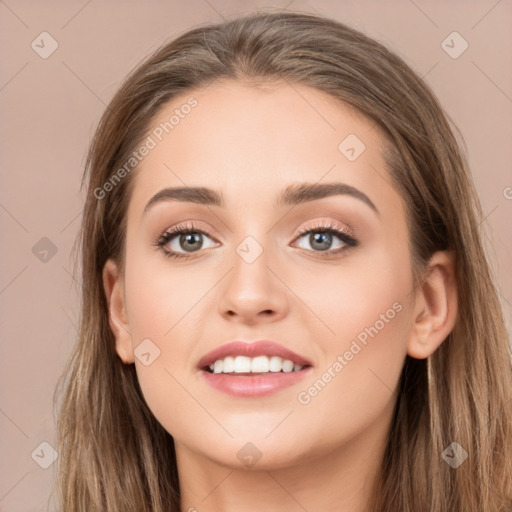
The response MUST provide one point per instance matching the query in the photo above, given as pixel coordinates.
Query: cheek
(354, 387)
(162, 305)
(359, 298)
(367, 311)
(161, 296)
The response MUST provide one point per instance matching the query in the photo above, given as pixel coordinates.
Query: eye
(185, 240)
(322, 236)
(186, 237)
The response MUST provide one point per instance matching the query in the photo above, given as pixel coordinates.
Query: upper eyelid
(319, 225)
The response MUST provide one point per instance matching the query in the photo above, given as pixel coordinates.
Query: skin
(251, 143)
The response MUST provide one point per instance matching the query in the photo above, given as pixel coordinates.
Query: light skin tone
(250, 144)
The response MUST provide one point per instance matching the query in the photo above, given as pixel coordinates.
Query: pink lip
(243, 384)
(258, 348)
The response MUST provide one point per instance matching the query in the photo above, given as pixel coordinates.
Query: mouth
(253, 369)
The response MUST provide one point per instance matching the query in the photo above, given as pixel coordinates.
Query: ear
(436, 306)
(113, 284)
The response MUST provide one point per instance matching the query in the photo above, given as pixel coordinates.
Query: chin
(260, 454)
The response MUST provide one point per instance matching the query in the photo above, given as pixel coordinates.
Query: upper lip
(251, 349)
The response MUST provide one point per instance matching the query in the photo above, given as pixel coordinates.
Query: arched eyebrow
(291, 195)
(304, 192)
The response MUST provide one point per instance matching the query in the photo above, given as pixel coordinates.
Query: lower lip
(253, 385)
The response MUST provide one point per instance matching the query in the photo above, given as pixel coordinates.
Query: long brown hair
(115, 456)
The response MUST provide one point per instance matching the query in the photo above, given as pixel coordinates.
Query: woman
(286, 301)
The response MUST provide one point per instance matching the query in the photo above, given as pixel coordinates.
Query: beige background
(49, 110)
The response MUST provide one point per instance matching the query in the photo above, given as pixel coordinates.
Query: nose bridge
(251, 286)
(251, 265)
(254, 238)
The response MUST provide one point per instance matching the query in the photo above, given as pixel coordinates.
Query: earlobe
(114, 292)
(435, 311)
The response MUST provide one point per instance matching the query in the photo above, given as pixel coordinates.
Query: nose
(253, 292)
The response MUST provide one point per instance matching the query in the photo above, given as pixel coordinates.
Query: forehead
(251, 143)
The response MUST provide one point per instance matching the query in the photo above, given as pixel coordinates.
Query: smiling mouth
(253, 366)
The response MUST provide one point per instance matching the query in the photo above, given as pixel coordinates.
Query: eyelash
(343, 234)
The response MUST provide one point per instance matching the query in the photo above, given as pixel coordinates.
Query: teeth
(229, 365)
(276, 364)
(242, 364)
(259, 364)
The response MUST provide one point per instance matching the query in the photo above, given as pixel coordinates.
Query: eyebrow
(291, 195)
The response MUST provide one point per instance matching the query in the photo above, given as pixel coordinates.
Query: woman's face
(342, 302)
